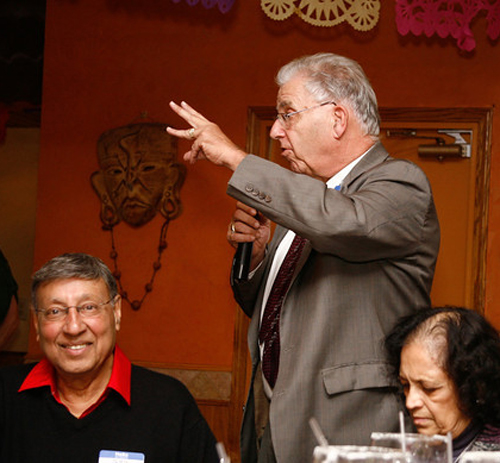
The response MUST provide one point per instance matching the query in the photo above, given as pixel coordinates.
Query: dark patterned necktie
(269, 334)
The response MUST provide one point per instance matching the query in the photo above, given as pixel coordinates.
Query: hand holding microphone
(242, 260)
(249, 232)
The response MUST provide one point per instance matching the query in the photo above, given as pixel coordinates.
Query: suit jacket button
(267, 199)
(249, 188)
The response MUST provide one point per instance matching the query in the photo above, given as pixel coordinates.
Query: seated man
(85, 402)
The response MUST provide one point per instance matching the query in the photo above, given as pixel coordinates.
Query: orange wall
(107, 61)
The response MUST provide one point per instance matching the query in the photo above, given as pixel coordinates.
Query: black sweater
(163, 422)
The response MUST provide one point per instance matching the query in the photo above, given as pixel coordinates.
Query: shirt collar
(43, 374)
(339, 177)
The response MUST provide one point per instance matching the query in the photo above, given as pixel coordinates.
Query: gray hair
(334, 77)
(73, 265)
(433, 333)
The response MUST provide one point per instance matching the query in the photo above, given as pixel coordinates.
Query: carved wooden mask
(139, 174)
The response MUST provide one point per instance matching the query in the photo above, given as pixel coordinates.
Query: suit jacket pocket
(355, 376)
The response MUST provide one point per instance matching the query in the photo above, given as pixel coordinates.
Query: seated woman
(447, 361)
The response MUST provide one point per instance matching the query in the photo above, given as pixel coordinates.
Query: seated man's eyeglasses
(87, 310)
(284, 118)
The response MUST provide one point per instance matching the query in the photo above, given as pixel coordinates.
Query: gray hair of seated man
(73, 265)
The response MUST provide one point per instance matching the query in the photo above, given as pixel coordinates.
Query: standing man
(358, 236)
(85, 402)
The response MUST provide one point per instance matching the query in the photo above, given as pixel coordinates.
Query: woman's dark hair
(468, 348)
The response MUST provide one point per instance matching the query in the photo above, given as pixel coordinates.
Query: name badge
(115, 456)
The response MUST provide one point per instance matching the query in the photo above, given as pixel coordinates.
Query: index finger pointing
(193, 111)
(190, 115)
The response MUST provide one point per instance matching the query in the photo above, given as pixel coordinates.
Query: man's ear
(35, 323)
(117, 312)
(340, 121)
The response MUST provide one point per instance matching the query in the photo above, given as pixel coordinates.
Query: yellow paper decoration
(362, 15)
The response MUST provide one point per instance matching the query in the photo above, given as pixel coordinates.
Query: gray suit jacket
(371, 258)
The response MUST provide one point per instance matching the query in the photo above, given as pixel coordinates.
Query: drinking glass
(333, 453)
(480, 457)
(420, 447)
(372, 457)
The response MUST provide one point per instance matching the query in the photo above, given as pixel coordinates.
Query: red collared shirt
(43, 374)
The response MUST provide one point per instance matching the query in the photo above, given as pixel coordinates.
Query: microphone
(241, 261)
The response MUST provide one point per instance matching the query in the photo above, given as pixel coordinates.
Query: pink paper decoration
(447, 17)
(224, 5)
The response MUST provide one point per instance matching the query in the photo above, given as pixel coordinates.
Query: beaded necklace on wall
(148, 287)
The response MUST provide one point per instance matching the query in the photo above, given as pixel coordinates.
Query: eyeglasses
(88, 310)
(284, 118)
